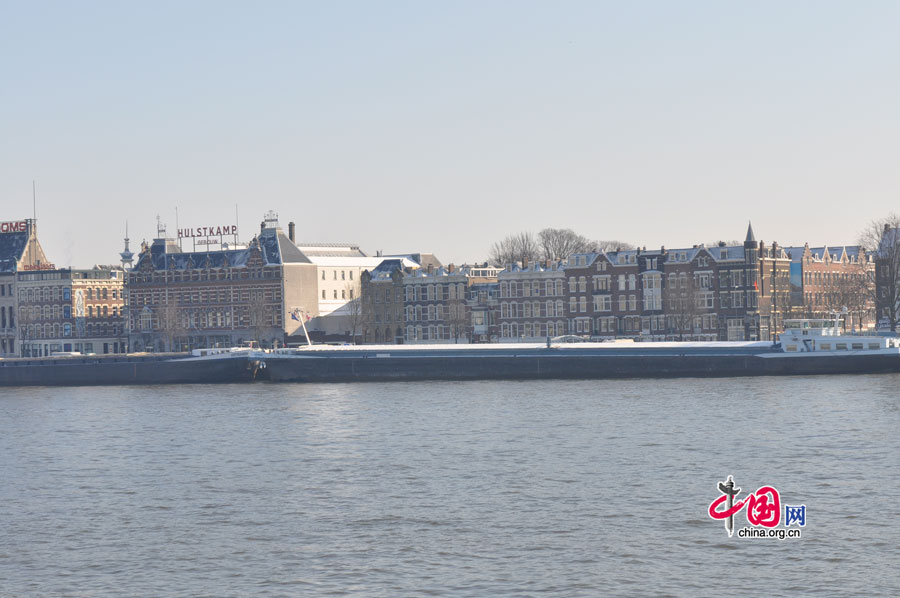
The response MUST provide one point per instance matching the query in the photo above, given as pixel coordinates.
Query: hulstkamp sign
(207, 231)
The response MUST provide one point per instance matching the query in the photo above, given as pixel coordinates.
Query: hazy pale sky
(443, 126)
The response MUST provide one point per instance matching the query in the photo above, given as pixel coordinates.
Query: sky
(444, 126)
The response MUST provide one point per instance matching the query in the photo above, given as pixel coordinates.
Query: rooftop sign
(207, 231)
(14, 227)
(32, 267)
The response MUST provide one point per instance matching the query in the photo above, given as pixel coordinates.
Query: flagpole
(303, 323)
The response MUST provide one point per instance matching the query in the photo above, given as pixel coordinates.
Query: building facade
(67, 310)
(382, 302)
(20, 251)
(435, 305)
(825, 280)
(532, 302)
(184, 300)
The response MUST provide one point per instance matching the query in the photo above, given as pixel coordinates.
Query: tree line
(547, 244)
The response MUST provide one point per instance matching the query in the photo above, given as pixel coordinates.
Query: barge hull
(368, 367)
(123, 370)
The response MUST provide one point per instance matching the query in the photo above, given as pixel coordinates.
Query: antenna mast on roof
(33, 201)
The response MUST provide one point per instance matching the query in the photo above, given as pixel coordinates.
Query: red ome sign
(13, 227)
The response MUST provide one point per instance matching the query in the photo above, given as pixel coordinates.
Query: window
(67, 311)
(323, 274)
(67, 294)
(335, 293)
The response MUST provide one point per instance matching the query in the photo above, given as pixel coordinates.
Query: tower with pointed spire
(127, 255)
(751, 249)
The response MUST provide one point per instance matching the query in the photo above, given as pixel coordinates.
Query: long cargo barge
(160, 368)
(807, 347)
(529, 361)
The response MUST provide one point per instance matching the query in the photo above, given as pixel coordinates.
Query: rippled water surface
(550, 488)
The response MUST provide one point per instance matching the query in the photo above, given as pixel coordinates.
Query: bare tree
(170, 324)
(852, 290)
(881, 239)
(520, 247)
(560, 243)
(611, 245)
(260, 316)
(355, 315)
(25, 333)
(682, 306)
(458, 318)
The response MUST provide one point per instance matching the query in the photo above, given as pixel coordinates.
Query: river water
(547, 488)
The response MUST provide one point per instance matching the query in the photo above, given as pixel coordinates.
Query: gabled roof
(21, 246)
(330, 250)
(12, 246)
(274, 247)
(287, 250)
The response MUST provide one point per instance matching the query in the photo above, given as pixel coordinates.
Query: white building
(338, 270)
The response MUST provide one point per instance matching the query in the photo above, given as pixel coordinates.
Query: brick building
(184, 300)
(19, 251)
(71, 311)
(435, 305)
(484, 311)
(382, 302)
(690, 294)
(532, 302)
(824, 280)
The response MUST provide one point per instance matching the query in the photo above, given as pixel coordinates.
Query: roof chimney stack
(291, 230)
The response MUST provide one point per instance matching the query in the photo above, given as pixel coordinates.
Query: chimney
(262, 226)
(291, 230)
(524, 264)
(430, 268)
(662, 248)
(451, 268)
